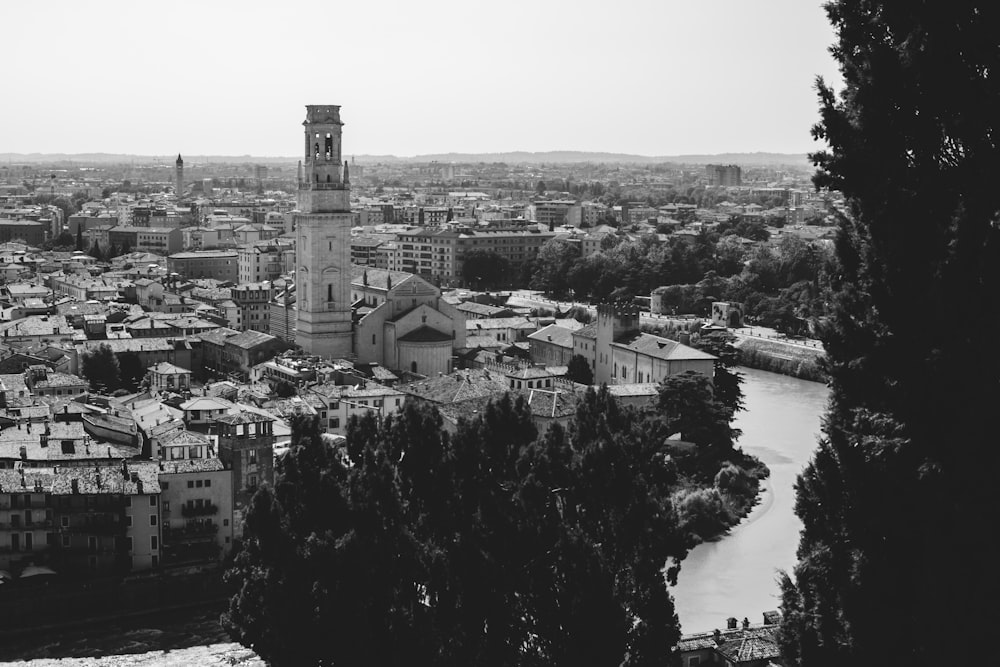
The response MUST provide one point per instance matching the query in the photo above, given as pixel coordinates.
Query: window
(152, 501)
(190, 483)
(166, 505)
(335, 422)
(65, 540)
(154, 543)
(152, 519)
(65, 522)
(208, 482)
(199, 483)
(128, 521)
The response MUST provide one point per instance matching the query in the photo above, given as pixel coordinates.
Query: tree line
(494, 544)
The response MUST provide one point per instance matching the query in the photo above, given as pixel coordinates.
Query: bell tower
(323, 240)
(178, 177)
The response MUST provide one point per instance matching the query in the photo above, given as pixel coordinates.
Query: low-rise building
(222, 265)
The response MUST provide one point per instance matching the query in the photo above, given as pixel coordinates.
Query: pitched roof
(588, 331)
(554, 334)
(424, 334)
(660, 348)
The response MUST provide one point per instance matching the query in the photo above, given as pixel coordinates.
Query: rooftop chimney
(731, 623)
(746, 622)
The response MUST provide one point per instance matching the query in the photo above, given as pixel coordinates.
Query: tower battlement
(618, 309)
(322, 113)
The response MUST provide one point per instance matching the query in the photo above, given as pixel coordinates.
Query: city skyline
(647, 78)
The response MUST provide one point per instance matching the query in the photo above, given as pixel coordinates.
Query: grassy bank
(779, 357)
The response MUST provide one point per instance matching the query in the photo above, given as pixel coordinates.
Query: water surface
(736, 575)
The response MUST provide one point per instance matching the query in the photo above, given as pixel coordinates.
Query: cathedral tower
(179, 177)
(323, 240)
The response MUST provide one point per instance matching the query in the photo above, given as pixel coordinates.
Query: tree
(725, 381)
(95, 250)
(579, 370)
(485, 269)
(284, 389)
(551, 267)
(131, 370)
(688, 405)
(896, 498)
(491, 546)
(540, 187)
(79, 237)
(100, 367)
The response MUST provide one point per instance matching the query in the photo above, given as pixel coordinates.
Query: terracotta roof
(588, 331)
(424, 334)
(555, 335)
(661, 348)
(244, 417)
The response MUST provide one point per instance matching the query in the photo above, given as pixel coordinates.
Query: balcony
(189, 512)
(199, 532)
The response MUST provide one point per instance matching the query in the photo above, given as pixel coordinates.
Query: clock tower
(323, 240)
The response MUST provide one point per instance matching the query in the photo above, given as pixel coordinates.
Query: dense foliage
(492, 545)
(100, 368)
(897, 557)
(781, 286)
(485, 269)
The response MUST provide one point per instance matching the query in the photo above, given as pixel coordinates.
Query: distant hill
(513, 157)
(522, 157)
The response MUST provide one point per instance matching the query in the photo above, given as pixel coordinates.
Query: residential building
(246, 447)
(159, 240)
(729, 175)
(265, 261)
(619, 353)
(252, 306)
(221, 265)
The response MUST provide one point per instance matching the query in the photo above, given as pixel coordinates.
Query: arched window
(328, 178)
(316, 149)
(329, 146)
(329, 293)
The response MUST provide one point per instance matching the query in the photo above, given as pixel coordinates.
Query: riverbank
(163, 639)
(737, 574)
(777, 356)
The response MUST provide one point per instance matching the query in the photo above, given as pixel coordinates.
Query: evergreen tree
(579, 370)
(493, 546)
(79, 237)
(95, 250)
(896, 560)
(100, 367)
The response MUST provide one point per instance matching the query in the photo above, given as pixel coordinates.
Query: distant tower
(179, 177)
(322, 238)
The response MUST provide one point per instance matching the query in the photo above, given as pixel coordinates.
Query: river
(734, 576)
(737, 575)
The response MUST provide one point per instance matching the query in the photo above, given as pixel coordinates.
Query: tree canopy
(896, 561)
(100, 367)
(485, 269)
(491, 546)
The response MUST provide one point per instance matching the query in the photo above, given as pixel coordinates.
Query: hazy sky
(650, 77)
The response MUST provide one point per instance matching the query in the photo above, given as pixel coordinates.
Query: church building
(396, 319)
